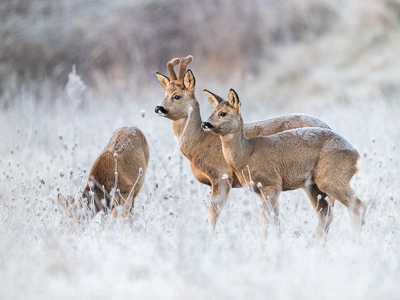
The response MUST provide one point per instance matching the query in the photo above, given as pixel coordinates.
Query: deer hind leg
(357, 210)
(270, 208)
(219, 195)
(355, 206)
(323, 209)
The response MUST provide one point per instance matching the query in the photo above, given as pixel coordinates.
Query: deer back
(281, 123)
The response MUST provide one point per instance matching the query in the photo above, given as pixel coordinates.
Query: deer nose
(206, 126)
(161, 111)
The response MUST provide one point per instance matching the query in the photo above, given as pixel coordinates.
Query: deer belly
(294, 179)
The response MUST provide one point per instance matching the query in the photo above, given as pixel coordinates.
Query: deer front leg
(270, 208)
(219, 194)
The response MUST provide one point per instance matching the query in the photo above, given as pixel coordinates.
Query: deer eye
(222, 114)
(177, 97)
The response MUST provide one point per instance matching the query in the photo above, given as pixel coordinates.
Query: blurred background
(278, 52)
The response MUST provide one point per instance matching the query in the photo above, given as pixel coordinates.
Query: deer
(115, 178)
(204, 149)
(309, 158)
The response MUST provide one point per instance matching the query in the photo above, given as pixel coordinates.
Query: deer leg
(270, 208)
(219, 194)
(325, 235)
(355, 206)
(323, 209)
(357, 210)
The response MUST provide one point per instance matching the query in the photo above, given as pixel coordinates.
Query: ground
(168, 252)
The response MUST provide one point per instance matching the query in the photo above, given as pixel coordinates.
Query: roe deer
(116, 176)
(297, 158)
(204, 149)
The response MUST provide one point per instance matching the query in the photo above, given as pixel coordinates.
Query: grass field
(168, 252)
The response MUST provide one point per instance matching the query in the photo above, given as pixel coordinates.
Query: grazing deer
(298, 158)
(204, 149)
(116, 176)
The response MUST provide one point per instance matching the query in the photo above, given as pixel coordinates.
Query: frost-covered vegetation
(52, 130)
(167, 252)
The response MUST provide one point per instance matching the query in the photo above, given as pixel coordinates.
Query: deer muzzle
(161, 111)
(206, 126)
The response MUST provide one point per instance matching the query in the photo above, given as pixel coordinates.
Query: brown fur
(203, 149)
(130, 144)
(315, 159)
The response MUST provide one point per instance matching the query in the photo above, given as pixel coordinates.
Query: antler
(182, 67)
(170, 66)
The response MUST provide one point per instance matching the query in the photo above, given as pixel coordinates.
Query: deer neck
(236, 149)
(188, 132)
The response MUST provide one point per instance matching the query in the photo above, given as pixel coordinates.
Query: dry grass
(167, 252)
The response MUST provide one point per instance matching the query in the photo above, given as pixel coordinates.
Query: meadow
(167, 251)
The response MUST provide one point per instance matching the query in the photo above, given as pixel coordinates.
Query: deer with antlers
(298, 158)
(116, 176)
(203, 149)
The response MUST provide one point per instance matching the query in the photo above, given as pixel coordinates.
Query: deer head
(65, 204)
(74, 209)
(225, 117)
(179, 90)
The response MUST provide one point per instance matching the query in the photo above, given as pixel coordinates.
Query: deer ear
(189, 80)
(164, 80)
(62, 203)
(212, 98)
(233, 99)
